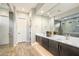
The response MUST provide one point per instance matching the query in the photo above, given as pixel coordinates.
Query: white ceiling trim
(63, 7)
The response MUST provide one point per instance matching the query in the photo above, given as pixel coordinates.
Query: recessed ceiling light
(42, 12)
(23, 9)
(48, 14)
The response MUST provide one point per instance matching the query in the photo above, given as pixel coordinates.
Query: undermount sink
(59, 37)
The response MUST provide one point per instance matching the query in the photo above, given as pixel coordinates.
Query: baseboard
(15, 44)
(4, 43)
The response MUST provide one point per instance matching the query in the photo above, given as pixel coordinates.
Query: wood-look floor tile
(24, 49)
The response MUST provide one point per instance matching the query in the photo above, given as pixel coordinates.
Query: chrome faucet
(67, 36)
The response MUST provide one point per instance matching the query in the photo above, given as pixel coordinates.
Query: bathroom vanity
(59, 45)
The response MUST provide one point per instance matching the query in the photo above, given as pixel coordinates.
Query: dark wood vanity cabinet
(39, 39)
(57, 48)
(53, 47)
(50, 45)
(66, 50)
(45, 43)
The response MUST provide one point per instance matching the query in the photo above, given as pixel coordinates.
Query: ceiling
(24, 7)
(56, 8)
(45, 9)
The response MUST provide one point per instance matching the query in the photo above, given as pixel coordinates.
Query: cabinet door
(66, 50)
(45, 43)
(53, 47)
(39, 39)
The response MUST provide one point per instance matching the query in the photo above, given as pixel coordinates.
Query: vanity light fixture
(23, 9)
(65, 18)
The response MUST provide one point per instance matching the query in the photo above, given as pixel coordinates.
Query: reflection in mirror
(70, 25)
(58, 28)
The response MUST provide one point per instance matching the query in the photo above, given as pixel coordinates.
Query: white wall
(4, 27)
(39, 24)
(51, 24)
(45, 24)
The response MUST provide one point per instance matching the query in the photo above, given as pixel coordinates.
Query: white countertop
(73, 41)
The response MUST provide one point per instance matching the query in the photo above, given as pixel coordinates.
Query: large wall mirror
(68, 25)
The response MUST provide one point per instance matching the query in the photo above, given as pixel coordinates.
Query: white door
(4, 30)
(21, 30)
